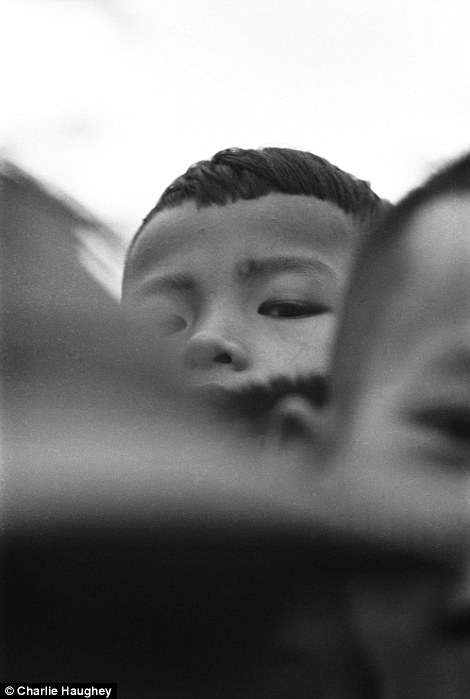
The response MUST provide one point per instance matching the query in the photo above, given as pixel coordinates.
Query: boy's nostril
(223, 358)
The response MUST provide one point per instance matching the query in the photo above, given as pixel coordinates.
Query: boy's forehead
(436, 254)
(438, 237)
(274, 218)
(434, 288)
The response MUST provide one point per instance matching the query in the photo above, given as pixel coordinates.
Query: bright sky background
(112, 99)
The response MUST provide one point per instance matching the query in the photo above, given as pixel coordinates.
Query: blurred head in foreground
(397, 439)
(402, 379)
(402, 402)
(242, 264)
(401, 369)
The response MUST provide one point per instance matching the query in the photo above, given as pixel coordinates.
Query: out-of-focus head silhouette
(400, 403)
(398, 431)
(401, 395)
(401, 387)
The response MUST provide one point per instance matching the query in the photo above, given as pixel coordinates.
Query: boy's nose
(206, 351)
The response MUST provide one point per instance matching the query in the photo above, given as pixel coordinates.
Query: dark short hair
(378, 270)
(236, 173)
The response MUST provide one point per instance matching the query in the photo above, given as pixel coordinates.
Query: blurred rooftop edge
(67, 255)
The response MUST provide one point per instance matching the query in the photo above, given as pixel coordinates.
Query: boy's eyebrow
(169, 282)
(249, 268)
(283, 263)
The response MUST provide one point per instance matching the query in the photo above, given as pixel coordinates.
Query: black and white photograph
(235, 349)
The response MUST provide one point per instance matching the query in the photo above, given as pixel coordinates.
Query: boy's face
(412, 422)
(408, 444)
(246, 291)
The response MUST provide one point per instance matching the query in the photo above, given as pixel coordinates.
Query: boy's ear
(296, 423)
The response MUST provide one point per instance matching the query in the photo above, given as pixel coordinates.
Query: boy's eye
(291, 309)
(452, 422)
(171, 325)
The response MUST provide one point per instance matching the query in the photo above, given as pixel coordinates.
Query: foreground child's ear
(295, 423)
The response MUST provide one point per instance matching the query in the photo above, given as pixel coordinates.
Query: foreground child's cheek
(413, 502)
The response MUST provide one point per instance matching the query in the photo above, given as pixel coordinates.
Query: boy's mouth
(256, 399)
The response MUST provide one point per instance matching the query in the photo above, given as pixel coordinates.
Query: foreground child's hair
(378, 270)
(235, 174)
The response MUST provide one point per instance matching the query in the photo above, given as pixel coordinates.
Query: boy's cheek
(410, 502)
(296, 347)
